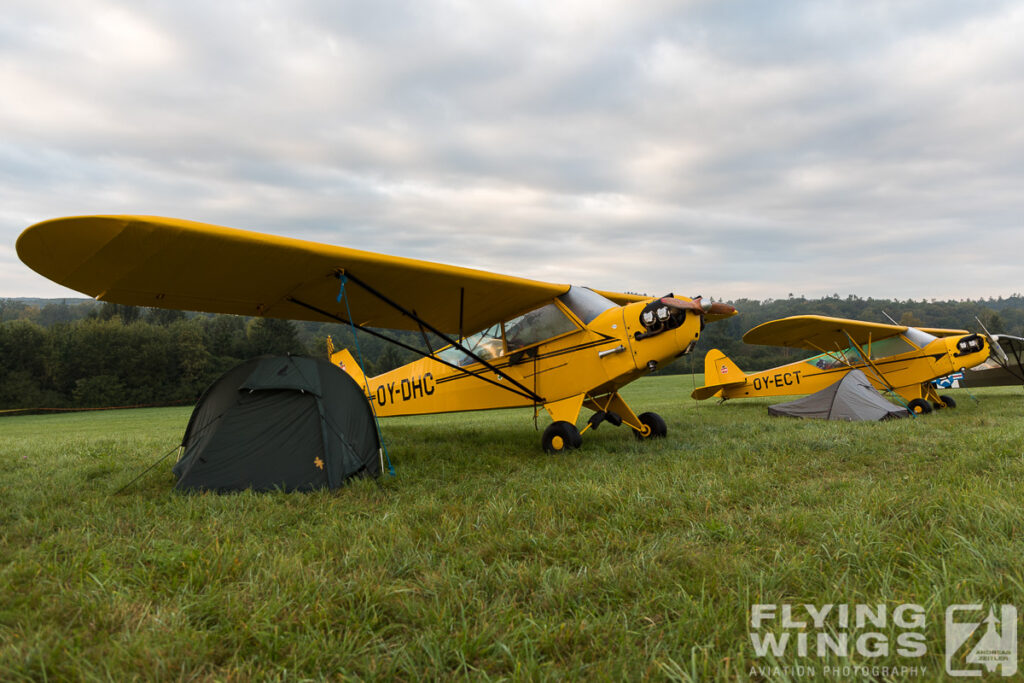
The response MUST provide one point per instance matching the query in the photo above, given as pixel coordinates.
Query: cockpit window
(884, 348)
(536, 326)
(586, 303)
(486, 345)
(835, 359)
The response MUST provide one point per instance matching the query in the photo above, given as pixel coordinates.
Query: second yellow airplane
(896, 359)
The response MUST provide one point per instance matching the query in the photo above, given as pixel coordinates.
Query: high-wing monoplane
(508, 341)
(897, 359)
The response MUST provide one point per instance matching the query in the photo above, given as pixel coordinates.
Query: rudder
(344, 360)
(719, 372)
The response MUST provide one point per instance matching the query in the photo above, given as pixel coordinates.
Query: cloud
(734, 149)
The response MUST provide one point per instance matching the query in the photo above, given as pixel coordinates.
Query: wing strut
(867, 359)
(419, 352)
(865, 356)
(426, 340)
(522, 390)
(462, 310)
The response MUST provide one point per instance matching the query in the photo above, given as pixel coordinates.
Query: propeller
(711, 310)
(996, 349)
(657, 316)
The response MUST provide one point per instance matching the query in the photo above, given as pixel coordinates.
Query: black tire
(947, 401)
(919, 406)
(657, 427)
(561, 436)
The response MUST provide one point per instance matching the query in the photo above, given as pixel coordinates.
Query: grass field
(486, 558)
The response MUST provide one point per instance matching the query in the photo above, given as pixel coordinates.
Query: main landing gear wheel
(944, 402)
(919, 406)
(561, 436)
(654, 426)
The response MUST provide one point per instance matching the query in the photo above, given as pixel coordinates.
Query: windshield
(586, 303)
(884, 348)
(919, 338)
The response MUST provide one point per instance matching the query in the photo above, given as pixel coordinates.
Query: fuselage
(896, 364)
(564, 353)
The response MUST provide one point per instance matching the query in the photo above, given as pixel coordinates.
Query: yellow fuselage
(594, 360)
(908, 374)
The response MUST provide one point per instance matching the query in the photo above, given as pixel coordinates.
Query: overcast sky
(731, 149)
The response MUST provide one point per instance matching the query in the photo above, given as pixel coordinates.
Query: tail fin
(344, 360)
(719, 372)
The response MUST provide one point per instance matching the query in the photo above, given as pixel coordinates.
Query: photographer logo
(980, 642)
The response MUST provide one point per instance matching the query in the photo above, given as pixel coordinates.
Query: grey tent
(851, 398)
(279, 422)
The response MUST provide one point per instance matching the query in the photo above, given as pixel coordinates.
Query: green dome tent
(273, 422)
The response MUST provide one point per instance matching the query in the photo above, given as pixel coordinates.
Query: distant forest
(66, 355)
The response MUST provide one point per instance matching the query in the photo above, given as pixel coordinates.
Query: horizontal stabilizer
(719, 373)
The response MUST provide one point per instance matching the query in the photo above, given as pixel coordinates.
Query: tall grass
(486, 558)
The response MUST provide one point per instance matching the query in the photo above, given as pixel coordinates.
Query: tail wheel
(945, 401)
(654, 426)
(919, 406)
(561, 436)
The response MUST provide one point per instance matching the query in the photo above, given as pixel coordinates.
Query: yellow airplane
(895, 358)
(533, 344)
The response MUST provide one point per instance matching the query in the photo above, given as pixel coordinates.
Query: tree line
(87, 354)
(84, 354)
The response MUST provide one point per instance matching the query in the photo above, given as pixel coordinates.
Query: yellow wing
(819, 332)
(622, 299)
(170, 263)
